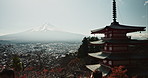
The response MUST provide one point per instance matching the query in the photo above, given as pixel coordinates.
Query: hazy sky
(79, 16)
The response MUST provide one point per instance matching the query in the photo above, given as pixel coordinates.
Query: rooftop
(118, 27)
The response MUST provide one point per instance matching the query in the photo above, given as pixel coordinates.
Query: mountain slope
(43, 33)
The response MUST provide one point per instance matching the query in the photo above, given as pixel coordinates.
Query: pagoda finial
(114, 11)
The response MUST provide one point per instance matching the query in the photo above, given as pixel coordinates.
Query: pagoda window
(105, 44)
(110, 35)
(110, 62)
(105, 35)
(104, 61)
(105, 48)
(110, 48)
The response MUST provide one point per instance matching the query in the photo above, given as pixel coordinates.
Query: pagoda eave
(118, 56)
(98, 67)
(99, 42)
(119, 27)
(100, 55)
(100, 31)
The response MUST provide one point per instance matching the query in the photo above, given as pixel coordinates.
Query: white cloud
(1, 34)
(146, 2)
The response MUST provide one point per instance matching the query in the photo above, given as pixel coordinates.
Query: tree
(93, 39)
(118, 72)
(17, 64)
(86, 48)
(83, 50)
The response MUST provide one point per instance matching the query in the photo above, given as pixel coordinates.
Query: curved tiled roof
(119, 56)
(98, 67)
(118, 27)
(97, 42)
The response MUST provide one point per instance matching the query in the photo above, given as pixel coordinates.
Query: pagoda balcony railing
(115, 51)
(105, 38)
(108, 38)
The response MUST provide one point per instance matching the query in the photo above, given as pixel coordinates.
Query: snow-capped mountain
(43, 33)
(44, 28)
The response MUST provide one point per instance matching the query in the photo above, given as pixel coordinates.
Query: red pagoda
(118, 48)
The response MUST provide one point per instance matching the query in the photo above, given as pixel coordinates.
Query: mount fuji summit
(43, 33)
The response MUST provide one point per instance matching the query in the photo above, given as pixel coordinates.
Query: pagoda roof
(119, 56)
(112, 56)
(99, 42)
(98, 67)
(117, 26)
(100, 55)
